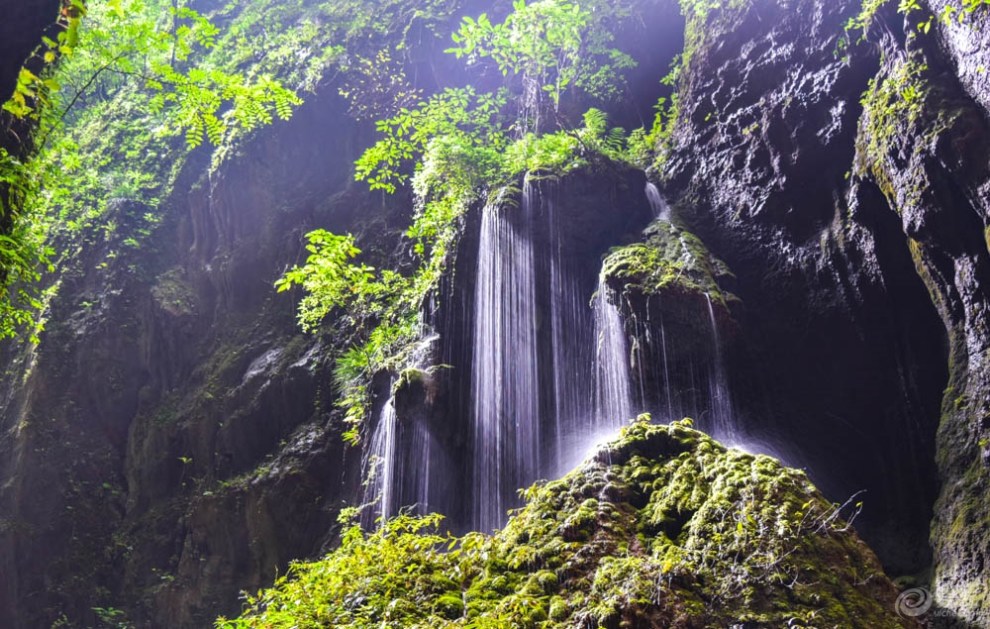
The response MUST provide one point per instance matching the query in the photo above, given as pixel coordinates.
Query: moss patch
(663, 528)
(669, 260)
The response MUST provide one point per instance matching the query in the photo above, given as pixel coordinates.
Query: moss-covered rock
(664, 527)
(678, 312)
(669, 260)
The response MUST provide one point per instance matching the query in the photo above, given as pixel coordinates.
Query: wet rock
(856, 232)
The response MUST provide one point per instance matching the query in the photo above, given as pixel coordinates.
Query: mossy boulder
(664, 527)
(670, 259)
(679, 315)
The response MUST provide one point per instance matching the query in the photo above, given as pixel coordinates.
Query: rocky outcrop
(924, 140)
(171, 441)
(967, 41)
(856, 233)
(678, 312)
(662, 528)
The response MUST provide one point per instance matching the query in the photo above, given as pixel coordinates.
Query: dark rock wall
(967, 43)
(857, 238)
(171, 441)
(935, 174)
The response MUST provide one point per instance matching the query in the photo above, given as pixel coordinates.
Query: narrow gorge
(452, 313)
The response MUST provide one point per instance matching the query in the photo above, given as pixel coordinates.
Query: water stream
(569, 351)
(551, 378)
(505, 392)
(722, 421)
(660, 208)
(380, 468)
(613, 382)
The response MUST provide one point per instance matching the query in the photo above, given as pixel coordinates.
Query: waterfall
(570, 350)
(380, 467)
(668, 392)
(660, 208)
(550, 376)
(403, 465)
(613, 383)
(722, 423)
(401, 468)
(505, 382)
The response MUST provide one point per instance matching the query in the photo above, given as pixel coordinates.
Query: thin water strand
(380, 467)
(613, 388)
(660, 208)
(570, 342)
(723, 417)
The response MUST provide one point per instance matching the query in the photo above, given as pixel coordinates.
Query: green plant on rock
(130, 77)
(889, 102)
(405, 554)
(455, 149)
(665, 528)
(328, 277)
(567, 149)
(32, 91)
(670, 260)
(459, 113)
(650, 147)
(959, 11)
(551, 46)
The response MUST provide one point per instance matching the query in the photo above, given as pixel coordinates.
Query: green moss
(671, 259)
(893, 100)
(664, 527)
(173, 294)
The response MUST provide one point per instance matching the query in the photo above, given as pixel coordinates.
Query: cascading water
(380, 467)
(722, 424)
(505, 383)
(613, 385)
(551, 378)
(668, 392)
(398, 467)
(569, 350)
(402, 462)
(660, 208)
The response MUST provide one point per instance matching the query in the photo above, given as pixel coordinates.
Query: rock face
(678, 309)
(23, 26)
(856, 234)
(174, 439)
(641, 535)
(171, 440)
(932, 166)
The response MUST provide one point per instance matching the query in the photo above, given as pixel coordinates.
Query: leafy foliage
(328, 277)
(454, 148)
(31, 92)
(459, 113)
(552, 45)
(959, 11)
(122, 63)
(142, 82)
(377, 87)
(888, 100)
